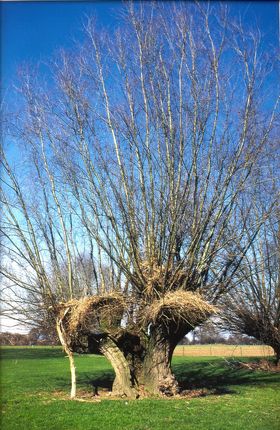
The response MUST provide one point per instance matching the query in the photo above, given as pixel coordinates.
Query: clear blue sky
(33, 30)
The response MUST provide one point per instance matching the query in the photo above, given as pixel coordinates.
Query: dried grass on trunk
(94, 312)
(180, 306)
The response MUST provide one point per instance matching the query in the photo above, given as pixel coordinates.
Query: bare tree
(141, 146)
(253, 307)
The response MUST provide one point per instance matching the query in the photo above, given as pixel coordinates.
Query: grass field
(220, 350)
(35, 384)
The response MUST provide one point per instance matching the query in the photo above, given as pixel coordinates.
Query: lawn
(35, 384)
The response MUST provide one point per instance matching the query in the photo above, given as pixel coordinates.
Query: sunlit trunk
(70, 355)
(123, 384)
(156, 375)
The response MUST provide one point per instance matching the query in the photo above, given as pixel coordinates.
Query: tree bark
(70, 355)
(123, 384)
(276, 349)
(156, 376)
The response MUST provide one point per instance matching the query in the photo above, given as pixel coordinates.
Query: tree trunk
(123, 384)
(142, 371)
(156, 376)
(276, 349)
(70, 355)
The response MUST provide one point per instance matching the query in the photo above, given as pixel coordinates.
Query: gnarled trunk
(143, 366)
(123, 384)
(156, 376)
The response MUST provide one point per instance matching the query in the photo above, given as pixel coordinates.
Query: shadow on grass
(219, 374)
(98, 382)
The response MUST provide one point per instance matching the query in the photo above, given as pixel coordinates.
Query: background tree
(253, 309)
(139, 150)
(209, 333)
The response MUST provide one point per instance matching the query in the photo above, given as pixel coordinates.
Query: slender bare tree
(140, 146)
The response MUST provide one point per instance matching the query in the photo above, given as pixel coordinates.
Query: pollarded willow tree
(252, 307)
(139, 146)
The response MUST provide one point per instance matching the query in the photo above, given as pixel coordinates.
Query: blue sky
(31, 31)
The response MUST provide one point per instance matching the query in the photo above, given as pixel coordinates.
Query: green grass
(35, 382)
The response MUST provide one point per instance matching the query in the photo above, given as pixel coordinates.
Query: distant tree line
(201, 337)
(34, 337)
(215, 339)
(210, 333)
